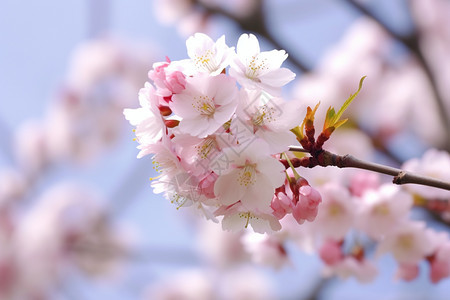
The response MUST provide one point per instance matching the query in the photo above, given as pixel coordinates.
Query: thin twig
(326, 158)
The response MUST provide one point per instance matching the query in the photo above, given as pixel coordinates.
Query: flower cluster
(219, 133)
(217, 126)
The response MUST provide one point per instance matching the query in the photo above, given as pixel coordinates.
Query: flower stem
(326, 158)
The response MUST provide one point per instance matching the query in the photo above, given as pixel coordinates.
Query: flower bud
(165, 111)
(171, 123)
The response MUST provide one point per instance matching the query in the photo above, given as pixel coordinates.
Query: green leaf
(350, 99)
(332, 118)
(298, 131)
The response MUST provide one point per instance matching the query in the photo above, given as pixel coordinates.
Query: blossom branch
(325, 158)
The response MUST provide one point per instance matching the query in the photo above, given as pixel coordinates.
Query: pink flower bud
(158, 72)
(440, 263)
(176, 82)
(331, 252)
(310, 196)
(307, 206)
(281, 205)
(407, 272)
(206, 185)
(363, 181)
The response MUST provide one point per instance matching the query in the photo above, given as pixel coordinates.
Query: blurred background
(78, 218)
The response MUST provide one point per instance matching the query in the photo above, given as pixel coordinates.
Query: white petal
(273, 170)
(277, 77)
(234, 222)
(227, 189)
(257, 197)
(247, 46)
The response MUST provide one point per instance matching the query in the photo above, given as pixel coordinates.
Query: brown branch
(326, 158)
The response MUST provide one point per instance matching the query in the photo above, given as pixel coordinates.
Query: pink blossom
(220, 248)
(383, 209)
(247, 173)
(189, 284)
(245, 283)
(165, 160)
(236, 217)
(197, 154)
(265, 249)
(208, 56)
(254, 69)
(206, 185)
(13, 186)
(337, 212)
(31, 147)
(440, 263)
(364, 181)
(53, 231)
(363, 270)
(330, 252)
(206, 104)
(259, 114)
(308, 204)
(168, 78)
(407, 272)
(409, 243)
(147, 119)
(170, 11)
(281, 203)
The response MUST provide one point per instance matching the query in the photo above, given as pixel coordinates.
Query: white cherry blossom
(237, 217)
(268, 118)
(208, 56)
(254, 69)
(147, 119)
(206, 104)
(249, 174)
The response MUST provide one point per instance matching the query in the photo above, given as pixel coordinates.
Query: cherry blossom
(148, 122)
(330, 252)
(408, 243)
(168, 78)
(337, 212)
(254, 69)
(383, 209)
(206, 104)
(440, 263)
(247, 173)
(236, 217)
(407, 272)
(220, 134)
(365, 271)
(266, 117)
(266, 250)
(207, 56)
